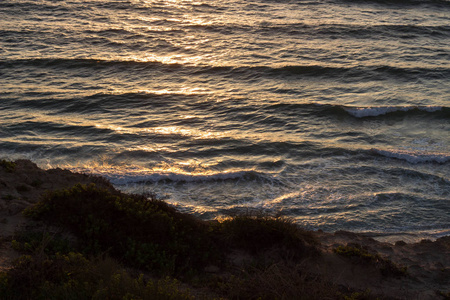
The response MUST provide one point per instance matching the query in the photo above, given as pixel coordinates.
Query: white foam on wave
(177, 177)
(123, 176)
(414, 156)
(361, 112)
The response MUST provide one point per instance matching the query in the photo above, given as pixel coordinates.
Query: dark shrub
(145, 233)
(260, 233)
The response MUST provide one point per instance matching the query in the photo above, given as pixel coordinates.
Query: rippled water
(334, 113)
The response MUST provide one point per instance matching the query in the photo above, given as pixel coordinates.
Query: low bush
(360, 254)
(22, 188)
(143, 233)
(260, 233)
(151, 235)
(34, 241)
(278, 281)
(72, 276)
(8, 166)
(50, 268)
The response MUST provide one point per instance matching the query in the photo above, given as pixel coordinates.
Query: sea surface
(335, 113)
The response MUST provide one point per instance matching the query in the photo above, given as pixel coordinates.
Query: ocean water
(335, 113)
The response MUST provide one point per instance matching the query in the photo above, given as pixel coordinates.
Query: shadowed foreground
(72, 236)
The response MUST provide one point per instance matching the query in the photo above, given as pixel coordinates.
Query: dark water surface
(334, 113)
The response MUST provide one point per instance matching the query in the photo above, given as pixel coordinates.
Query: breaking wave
(414, 157)
(140, 176)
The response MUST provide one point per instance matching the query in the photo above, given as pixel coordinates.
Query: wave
(166, 101)
(71, 6)
(27, 6)
(375, 31)
(414, 157)
(245, 72)
(102, 102)
(357, 112)
(351, 31)
(439, 3)
(406, 171)
(361, 73)
(355, 31)
(393, 195)
(170, 177)
(311, 70)
(68, 63)
(361, 112)
(416, 174)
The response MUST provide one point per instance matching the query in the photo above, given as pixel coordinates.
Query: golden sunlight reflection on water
(163, 130)
(309, 108)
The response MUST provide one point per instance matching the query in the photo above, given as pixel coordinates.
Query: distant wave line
(359, 112)
(444, 3)
(102, 102)
(362, 73)
(357, 31)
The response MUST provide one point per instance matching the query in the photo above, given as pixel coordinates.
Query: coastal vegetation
(98, 243)
(91, 241)
(7, 165)
(360, 254)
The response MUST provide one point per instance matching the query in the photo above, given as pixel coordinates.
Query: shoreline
(24, 187)
(23, 183)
